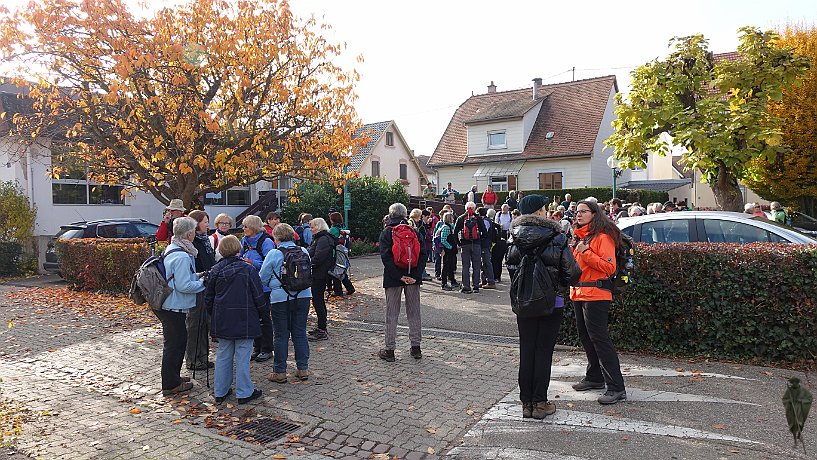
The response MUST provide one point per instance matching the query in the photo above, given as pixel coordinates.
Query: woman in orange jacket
(596, 238)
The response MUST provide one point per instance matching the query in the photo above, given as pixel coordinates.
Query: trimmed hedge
(730, 301)
(601, 193)
(99, 264)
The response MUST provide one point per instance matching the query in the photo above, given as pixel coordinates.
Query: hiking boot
(612, 397)
(542, 409)
(278, 377)
(181, 388)
(313, 331)
(466, 290)
(489, 286)
(254, 354)
(255, 395)
(416, 353)
(585, 385)
(263, 356)
(386, 355)
(220, 399)
(302, 374)
(351, 292)
(320, 334)
(185, 379)
(447, 288)
(527, 409)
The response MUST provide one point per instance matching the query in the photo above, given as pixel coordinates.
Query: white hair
(319, 224)
(490, 214)
(470, 205)
(398, 211)
(592, 199)
(184, 225)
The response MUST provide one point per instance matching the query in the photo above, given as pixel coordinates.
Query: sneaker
(416, 353)
(489, 286)
(447, 288)
(456, 285)
(585, 385)
(612, 397)
(542, 409)
(263, 356)
(319, 334)
(386, 355)
(254, 355)
(527, 409)
(181, 388)
(255, 395)
(302, 374)
(220, 399)
(466, 290)
(278, 377)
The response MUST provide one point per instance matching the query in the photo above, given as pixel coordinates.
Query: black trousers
(264, 344)
(174, 333)
(497, 256)
(346, 282)
(319, 301)
(602, 360)
(537, 338)
(438, 263)
(198, 333)
(449, 266)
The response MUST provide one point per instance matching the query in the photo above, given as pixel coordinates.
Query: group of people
(251, 295)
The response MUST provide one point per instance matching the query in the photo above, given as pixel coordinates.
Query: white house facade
(388, 155)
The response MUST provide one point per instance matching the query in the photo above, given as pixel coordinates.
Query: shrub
(17, 217)
(722, 300)
(371, 197)
(361, 247)
(99, 264)
(601, 193)
(10, 255)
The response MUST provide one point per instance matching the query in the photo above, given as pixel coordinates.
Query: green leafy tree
(791, 177)
(17, 217)
(717, 110)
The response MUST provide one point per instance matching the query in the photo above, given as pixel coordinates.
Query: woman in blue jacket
(255, 245)
(179, 261)
(234, 300)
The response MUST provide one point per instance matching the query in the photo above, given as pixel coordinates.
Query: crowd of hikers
(252, 295)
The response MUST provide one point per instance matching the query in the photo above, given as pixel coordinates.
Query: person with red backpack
(470, 233)
(404, 260)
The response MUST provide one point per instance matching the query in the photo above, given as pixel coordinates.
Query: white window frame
(499, 186)
(226, 197)
(88, 185)
(504, 145)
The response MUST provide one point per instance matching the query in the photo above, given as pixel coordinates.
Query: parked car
(709, 226)
(102, 228)
(804, 223)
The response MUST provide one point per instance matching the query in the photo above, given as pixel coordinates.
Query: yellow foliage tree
(196, 99)
(792, 176)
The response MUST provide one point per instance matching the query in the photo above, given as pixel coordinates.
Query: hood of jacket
(532, 231)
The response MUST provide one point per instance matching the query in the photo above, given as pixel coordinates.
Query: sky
(422, 58)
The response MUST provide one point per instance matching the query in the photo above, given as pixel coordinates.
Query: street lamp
(612, 163)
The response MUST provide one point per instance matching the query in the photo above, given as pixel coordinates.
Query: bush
(361, 247)
(371, 197)
(17, 217)
(601, 193)
(722, 300)
(99, 264)
(11, 253)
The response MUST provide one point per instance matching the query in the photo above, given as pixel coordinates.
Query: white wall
(528, 121)
(575, 172)
(391, 157)
(478, 138)
(601, 176)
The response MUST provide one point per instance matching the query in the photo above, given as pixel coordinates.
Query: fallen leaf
(140, 340)
(11, 324)
(719, 426)
(279, 456)
(135, 410)
(469, 412)
(430, 450)
(431, 430)
(679, 369)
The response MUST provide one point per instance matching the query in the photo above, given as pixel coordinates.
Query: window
(237, 196)
(375, 169)
(390, 138)
(496, 139)
(500, 184)
(403, 171)
(725, 231)
(665, 231)
(550, 181)
(71, 185)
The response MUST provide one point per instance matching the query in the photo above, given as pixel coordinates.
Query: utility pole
(574, 73)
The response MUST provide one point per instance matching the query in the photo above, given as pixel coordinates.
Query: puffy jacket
(185, 283)
(322, 253)
(392, 274)
(597, 262)
(529, 233)
(233, 299)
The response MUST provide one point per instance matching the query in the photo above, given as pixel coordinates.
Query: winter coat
(204, 260)
(322, 253)
(185, 283)
(460, 223)
(233, 299)
(248, 251)
(530, 233)
(392, 274)
(597, 262)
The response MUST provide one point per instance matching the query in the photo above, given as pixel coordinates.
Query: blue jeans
(289, 319)
(241, 351)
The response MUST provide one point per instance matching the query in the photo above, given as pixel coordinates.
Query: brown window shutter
(511, 182)
(557, 181)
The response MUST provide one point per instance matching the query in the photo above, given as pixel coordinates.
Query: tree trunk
(808, 205)
(728, 196)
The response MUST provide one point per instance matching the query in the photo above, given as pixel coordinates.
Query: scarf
(185, 244)
(205, 240)
(582, 232)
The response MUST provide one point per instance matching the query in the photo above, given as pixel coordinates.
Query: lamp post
(612, 163)
(347, 197)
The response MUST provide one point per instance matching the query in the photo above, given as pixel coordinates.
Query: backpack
(299, 230)
(296, 271)
(405, 247)
(623, 277)
(259, 245)
(150, 284)
(470, 228)
(338, 271)
(533, 291)
(344, 237)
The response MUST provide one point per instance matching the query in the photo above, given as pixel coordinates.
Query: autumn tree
(717, 110)
(196, 99)
(791, 177)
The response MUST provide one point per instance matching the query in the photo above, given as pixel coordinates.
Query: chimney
(537, 83)
(491, 88)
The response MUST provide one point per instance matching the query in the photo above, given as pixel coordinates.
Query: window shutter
(511, 182)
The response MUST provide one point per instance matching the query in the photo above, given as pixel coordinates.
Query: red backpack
(405, 247)
(470, 228)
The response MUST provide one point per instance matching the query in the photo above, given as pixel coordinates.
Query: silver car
(709, 227)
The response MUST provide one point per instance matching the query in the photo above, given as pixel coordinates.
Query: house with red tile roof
(544, 137)
(388, 155)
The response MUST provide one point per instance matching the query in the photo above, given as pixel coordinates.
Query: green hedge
(99, 264)
(601, 193)
(728, 301)
(10, 257)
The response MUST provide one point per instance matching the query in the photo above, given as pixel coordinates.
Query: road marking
(509, 453)
(568, 368)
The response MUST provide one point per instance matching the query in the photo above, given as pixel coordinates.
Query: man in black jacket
(471, 247)
(396, 281)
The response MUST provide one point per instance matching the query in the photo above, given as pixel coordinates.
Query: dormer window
(496, 140)
(389, 138)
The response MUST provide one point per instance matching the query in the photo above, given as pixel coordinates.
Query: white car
(708, 227)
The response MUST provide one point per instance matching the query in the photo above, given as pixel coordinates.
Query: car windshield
(70, 233)
(785, 227)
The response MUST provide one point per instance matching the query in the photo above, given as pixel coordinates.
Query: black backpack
(533, 290)
(296, 271)
(258, 244)
(300, 231)
(625, 269)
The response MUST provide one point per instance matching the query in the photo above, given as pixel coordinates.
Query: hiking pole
(202, 317)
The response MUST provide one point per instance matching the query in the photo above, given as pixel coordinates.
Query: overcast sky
(423, 58)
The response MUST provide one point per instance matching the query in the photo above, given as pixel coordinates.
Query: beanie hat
(532, 203)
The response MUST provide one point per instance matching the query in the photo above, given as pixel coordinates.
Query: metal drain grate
(432, 332)
(262, 431)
